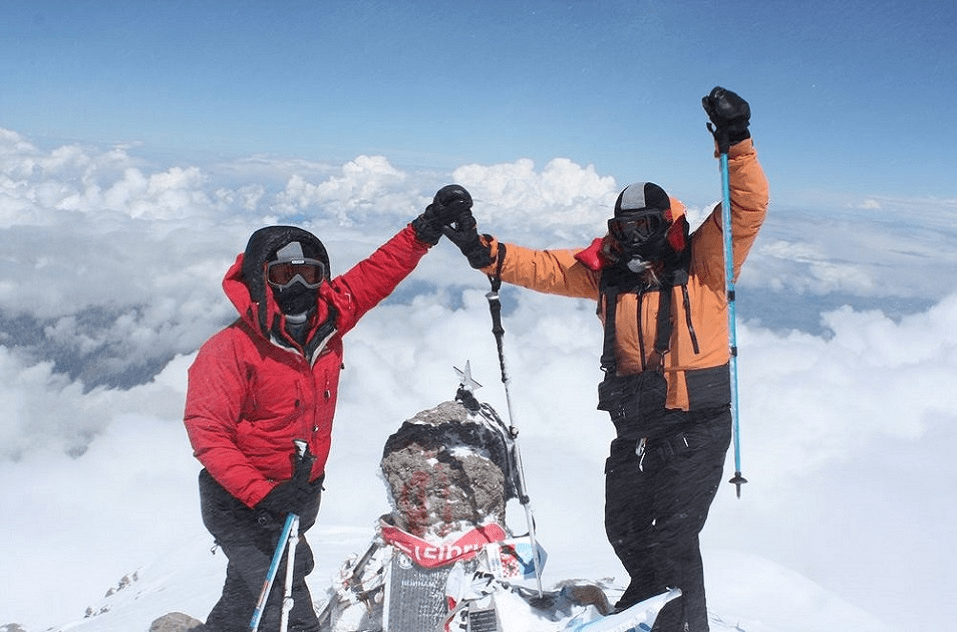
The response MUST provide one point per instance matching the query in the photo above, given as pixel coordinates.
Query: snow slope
(747, 592)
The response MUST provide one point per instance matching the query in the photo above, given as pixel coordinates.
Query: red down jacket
(253, 390)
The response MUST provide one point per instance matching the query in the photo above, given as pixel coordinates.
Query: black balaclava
(649, 203)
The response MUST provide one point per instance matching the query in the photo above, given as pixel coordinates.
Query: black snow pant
(249, 538)
(656, 504)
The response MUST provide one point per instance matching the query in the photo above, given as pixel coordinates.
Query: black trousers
(249, 539)
(655, 507)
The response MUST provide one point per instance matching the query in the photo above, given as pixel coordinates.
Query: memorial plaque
(415, 596)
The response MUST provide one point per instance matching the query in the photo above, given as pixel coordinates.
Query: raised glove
(451, 203)
(730, 116)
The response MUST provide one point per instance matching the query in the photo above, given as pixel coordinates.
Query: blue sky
(850, 99)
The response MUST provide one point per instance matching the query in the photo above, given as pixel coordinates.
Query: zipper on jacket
(299, 396)
(321, 349)
(641, 335)
(687, 302)
(326, 396)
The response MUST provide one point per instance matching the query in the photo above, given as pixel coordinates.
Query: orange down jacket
(253, 391)
(689, 373)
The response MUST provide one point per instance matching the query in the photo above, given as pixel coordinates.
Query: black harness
(615, 282)
(637, 402)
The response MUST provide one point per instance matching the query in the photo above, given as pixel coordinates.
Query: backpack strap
(663, 328)
(609, 364)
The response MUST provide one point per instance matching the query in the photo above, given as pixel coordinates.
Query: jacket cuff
(492, 244)
(746, 146)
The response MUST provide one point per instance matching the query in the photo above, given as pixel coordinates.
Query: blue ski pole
(289, 536)
(287, 601)
(723, 145)
(291, 526)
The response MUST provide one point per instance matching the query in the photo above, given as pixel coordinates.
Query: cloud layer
(111, 268)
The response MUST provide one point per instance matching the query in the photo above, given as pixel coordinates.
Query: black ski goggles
(282, 274)
(636, 226)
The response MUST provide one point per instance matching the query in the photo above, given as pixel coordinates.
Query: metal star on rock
(465, 378)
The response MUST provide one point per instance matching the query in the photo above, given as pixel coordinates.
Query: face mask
(637, 226)
(638, 256)
(296, 298)
(639, 238)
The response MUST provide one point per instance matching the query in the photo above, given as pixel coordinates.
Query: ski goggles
(637, 226)
(282, 274)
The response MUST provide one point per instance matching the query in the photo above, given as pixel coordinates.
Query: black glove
(285, 498)
(464, 234)
(730, 115)
(293, 495)
(302, 460)
(451, 203)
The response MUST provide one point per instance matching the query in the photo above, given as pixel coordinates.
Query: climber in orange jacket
(661, 298)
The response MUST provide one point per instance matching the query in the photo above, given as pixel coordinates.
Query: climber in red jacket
(271, 378)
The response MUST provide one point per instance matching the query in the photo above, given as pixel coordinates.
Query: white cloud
(47, 412)
(368, 185)
(564, 199)
(813, 400)
(821, 274)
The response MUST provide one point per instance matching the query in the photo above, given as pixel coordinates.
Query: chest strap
(610, 290)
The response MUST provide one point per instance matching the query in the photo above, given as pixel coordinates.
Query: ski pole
(495, 307)
(290, 536)
(291, 525)
(288, 601)
(723, 146)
